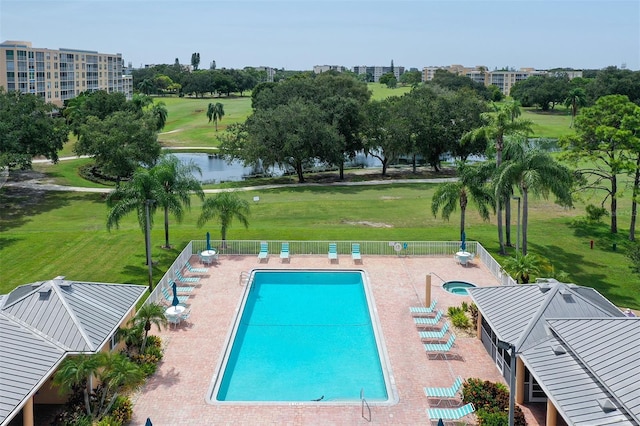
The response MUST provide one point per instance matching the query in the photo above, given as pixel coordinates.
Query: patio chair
(195, 270)
(450, 413)
(186, 279)
(435, 335)
(355, 253)
(426, 322)
(420, 310)
(169, 298)
(185, 315)
(264, 252)
(449, 392)
(181, 289)
(440, 347)
(173, 320)
(284, 252)
(333, 252)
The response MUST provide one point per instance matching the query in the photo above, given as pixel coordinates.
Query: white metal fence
(371, 248)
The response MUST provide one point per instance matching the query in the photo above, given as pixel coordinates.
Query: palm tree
(118, 375)
(215, 113)
(536, 172)
(76, 371)
(142, 191)
(500, 122)
(470, 184)
(160, 114)
(146, 86)
(225, 206)
(148, 315)
(523, 267)
(178, 183)
(577, 98)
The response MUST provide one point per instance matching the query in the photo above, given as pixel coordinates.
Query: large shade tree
(225, 206)
(533, 172)
(178, 185)
(470, 186)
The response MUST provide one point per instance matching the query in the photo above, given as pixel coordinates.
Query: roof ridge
(73, 316)
(586, 366)
(536, 317)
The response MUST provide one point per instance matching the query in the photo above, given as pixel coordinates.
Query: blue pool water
(303, 336)
(458, 287)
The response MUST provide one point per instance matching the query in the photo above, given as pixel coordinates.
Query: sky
(298, 34)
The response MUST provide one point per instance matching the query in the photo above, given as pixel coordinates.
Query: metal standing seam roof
(42, 322)
(575, 388)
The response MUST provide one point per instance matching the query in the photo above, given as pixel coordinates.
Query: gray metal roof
(611, 353)
(27, 361)
(40, 323)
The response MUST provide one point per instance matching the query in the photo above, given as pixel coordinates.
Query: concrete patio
(177, 393)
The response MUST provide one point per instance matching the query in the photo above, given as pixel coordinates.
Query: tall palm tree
(148, 315)
(225, 206)
(470, 185)
(576, 98)
(178, 183)
(159, 113)
(533, 172)
(118, 375)
(498, 124)
(142, 191)
(215, 112)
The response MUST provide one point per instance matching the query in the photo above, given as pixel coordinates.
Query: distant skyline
(298, 34)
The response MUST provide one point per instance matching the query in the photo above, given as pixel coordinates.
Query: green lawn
(381, 91)
(549, 124)
(53, 233)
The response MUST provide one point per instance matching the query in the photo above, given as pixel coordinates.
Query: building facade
(319, 69)
(375, 72)
(58, 75)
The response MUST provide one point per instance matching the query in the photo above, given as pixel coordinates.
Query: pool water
(458, 287)
(303, 336)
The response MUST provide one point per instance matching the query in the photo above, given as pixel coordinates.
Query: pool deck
(177, 394)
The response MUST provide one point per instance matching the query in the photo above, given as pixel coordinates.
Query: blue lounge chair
(284, 252)
(419, 310)
(186, 279)
(169, 298)
(435, 335)
(181, 289)
(355, 253)
(449, 392)
(426, 322)
(440, 347)
(333, 252)
(264, 252)
(450, 413)
(195, 270)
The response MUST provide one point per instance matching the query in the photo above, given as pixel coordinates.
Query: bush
(491, 398)
(595, 214)
(121, 411)
(460, 320)
(453, 310)
(473, 311)
(149, 368)
(487, 418)
(108, 421)
(154, 341)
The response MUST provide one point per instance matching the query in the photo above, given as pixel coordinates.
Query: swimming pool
(458, 287)
(304, 336)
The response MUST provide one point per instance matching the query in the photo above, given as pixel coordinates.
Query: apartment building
(319, 69)
(58, 75)
(503, 79)
(375, 72)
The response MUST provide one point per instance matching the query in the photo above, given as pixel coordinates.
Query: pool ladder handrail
(433, 273)
(363, 405)
(244, 278)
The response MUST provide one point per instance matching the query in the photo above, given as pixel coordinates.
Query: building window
(30, 55)
(9, 55)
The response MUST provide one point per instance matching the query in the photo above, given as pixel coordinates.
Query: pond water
(216, 170)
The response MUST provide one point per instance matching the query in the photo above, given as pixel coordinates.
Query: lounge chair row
(332, 254)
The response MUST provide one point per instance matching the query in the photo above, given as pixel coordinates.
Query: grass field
(56, 233)
(549, 124)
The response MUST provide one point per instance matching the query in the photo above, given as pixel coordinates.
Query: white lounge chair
(284, 252)
(333, 252)
(355, 253)
(264, 252)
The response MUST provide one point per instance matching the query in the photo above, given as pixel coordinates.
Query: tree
(533, 172)
(159, 113)
(178, 184)
(387, 78)
(225, 206)
(215, 113)
(497, 124)
(146, 86)
(602, 142)
(411, 78)
(149, 314)
(28, 128)
(195, 60)
(524, 267)
(119, 143)
(471, 184)
(143, 189)
(632, 124)
(76, 372)
(577, 98)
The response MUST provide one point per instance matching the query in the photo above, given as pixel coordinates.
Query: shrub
(490, 397)
(595, 214)
(108, 421)
(149, 368)
(453, 310)
(121, 411)
(473, 311)
(460, 320)
(465, 306)
(154, 341)
(154, 351)
(488, 418)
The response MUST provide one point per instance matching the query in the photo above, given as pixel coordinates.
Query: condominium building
(58, 75)
(318, 69)
(503, 79)
(375, 72)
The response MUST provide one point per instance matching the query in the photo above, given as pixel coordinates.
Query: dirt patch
(370, 224)
(390, 198)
